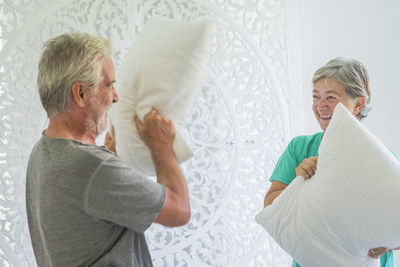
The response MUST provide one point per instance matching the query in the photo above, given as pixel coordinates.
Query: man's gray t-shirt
(86, 208)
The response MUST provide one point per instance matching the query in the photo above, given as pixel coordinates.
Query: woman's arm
(306, 169)
(273, 192)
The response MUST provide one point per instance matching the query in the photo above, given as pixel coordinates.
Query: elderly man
(85, 207)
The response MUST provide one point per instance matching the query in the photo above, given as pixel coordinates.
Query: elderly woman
(339, 81)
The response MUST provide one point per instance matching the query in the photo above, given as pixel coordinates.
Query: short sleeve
(395, 155)
(285, 169)
(121, 195)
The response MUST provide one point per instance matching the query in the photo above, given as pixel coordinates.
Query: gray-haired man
(85, 207)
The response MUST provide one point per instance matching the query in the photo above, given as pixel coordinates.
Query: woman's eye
(331, 98)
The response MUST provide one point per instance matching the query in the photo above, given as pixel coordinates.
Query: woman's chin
(324, 123)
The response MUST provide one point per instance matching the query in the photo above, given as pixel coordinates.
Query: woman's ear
(360, 102)
(78, 94)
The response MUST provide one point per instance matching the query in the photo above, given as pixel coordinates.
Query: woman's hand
(377, 252)
(307, 168)
(109, 141)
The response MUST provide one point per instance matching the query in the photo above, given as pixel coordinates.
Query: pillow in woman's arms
(349, 206)
(164, 70)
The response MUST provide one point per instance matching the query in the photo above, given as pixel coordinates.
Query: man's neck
(68, 126)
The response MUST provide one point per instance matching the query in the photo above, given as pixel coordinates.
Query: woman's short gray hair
(352, 75)
(69, 58)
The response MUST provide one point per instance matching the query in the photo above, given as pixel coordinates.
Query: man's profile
(85, 207)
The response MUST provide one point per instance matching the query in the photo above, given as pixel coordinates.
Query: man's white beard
(96, 125)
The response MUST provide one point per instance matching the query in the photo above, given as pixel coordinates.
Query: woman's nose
(321, 102)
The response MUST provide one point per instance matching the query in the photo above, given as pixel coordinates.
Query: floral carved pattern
(237, 128)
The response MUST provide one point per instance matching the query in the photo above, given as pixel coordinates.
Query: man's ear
(359, 104)
(78, 94)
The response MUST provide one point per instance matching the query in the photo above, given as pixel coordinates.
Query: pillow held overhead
(164, 70)
(348, 207)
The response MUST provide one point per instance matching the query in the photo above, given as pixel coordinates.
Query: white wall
(369, 31)
(236, 127)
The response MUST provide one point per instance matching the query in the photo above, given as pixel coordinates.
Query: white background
(369, 31)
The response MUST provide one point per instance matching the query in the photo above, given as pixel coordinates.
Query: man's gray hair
(352, 75)
(70, 58)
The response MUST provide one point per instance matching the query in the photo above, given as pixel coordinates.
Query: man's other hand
(109, 141)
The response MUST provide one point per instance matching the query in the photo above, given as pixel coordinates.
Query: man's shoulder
(68, 158)
(70, 149)
(100, 152)
(91, 152)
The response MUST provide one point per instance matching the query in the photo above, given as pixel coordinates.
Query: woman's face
(327, 93)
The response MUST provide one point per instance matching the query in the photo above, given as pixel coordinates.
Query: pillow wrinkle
(163, 70)
(348, 206)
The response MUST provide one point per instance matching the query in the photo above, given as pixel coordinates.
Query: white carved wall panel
(240, 123)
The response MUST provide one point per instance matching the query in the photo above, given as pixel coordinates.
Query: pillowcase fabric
(349, 206)
(164, 70)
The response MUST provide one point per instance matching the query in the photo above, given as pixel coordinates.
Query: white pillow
(349, 206)
(164, 70)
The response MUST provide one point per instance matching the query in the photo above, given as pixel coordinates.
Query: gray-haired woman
(339, 81)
